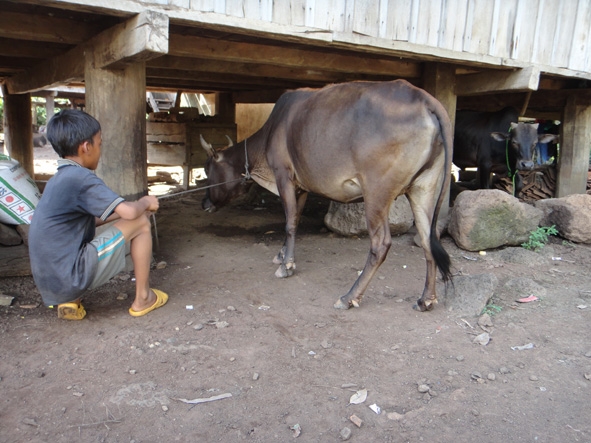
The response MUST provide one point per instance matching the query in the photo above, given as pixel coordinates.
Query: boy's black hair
(69, 128)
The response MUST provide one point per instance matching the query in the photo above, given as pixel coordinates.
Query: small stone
(460, 358)
(356, 420)
(345, 433)
(533, 378)
(491, 376)
(132, 371)
(588, 354)
(198, 327)
(161, 265)
(255, 376)
(232, 358)
(485, 321)
(482, 339)
(423, 388)
(231, 308)
(30, 422)
(395, 416)
(122, 296)
(504, 370)
(221, 324)
(165, 408)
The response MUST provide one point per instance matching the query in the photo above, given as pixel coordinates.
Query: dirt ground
(283, 360)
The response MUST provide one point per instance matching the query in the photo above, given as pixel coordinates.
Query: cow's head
(521, 140)
(224, 170)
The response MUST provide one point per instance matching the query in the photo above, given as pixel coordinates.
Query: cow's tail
(440, 255)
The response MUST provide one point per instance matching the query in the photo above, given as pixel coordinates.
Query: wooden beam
(147, 33)
(492, 82)
(212, 49)
(141, 38)
(257, 70)
(45, 28)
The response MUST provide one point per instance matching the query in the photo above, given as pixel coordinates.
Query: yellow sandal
(161, 299)
(71, 311)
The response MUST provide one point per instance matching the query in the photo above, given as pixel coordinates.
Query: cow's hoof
(278, 259)
(341, 305)
(355, 303)
(422, 306)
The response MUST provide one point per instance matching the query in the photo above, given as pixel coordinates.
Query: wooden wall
(552, 33)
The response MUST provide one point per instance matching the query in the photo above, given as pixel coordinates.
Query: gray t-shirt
(62, 260)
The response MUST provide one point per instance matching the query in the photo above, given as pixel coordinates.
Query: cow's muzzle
(207, 205)
(525, 165)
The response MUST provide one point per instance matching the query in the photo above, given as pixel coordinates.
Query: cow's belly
(344, 191)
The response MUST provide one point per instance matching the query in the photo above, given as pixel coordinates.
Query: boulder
(349, 219)
(489, 218)
(571, 215)
(9, 235)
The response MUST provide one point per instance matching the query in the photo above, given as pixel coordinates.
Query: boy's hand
(152, 202)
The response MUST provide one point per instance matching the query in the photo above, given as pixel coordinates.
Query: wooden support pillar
(439, 80)
(18, 130)
(117, 99)
(575, 142)
(50, 105)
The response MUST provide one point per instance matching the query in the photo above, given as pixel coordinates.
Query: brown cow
(370, 141)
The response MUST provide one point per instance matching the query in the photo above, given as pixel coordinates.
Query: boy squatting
(67, 257)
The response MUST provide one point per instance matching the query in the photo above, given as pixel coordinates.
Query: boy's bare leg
(139, 233)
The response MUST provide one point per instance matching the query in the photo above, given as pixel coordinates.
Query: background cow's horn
(230, 142)
(208, 148)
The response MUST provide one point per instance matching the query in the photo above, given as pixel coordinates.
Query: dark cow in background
(496, 142)
(370, 141)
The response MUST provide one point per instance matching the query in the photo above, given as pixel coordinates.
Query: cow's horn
(230, 142)
(208, 148)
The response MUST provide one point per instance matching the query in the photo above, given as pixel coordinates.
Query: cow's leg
(293, 204)
(518, 181)
(484, 178)
(422, 198)
(279, 259)
(376, 214)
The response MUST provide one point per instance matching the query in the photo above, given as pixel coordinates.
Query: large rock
(487, 218)
(349, 219)
(571, 215)
(469, 294)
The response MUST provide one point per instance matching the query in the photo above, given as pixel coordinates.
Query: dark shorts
(110, 245)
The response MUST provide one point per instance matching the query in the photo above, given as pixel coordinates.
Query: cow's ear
(499, 136)
(209, 149)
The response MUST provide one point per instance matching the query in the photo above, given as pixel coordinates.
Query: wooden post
(117, 99)
(575, 142)
(18, 130)
(439, 80)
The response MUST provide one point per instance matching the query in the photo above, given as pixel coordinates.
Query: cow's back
(473, 143)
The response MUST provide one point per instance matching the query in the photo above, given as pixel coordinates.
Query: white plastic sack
(19, 194)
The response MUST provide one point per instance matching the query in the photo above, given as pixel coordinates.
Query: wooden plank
(478, 27)
(167, 154)
(429, 23)
(519, 80)
(398, 21)
(140, 38)
(199, 47)
(565, 22)
(524, 29)
(546, 25)
(505, 13)
(366, 18)
(453, 23)
(166, 132)
(580, 50)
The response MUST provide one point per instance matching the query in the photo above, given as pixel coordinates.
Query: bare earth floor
(289, 361)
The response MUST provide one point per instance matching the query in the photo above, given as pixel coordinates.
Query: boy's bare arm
(133, 210)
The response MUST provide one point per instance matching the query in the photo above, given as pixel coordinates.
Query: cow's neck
(259, 169)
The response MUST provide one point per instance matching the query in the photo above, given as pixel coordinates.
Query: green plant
(539, 237)
(491, 309)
